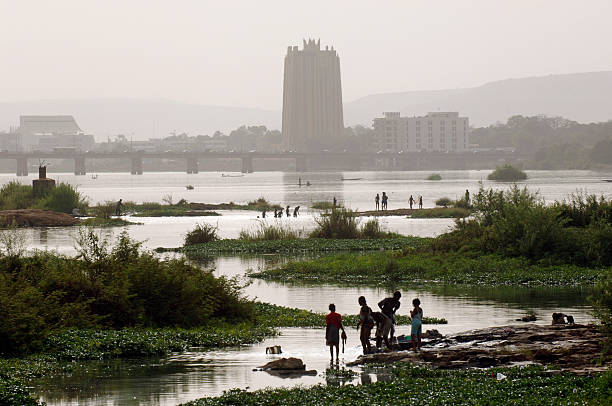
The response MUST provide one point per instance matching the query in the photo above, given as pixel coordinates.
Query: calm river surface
(186, 376)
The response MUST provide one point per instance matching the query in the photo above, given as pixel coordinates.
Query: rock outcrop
(575, 348)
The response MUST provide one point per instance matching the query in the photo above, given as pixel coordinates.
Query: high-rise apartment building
(312, 97)
(440, 131)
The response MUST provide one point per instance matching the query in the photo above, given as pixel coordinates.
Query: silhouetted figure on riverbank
(263, 214)
(467, 197)
(420, 202)
(300, 182)
(287, 210)
(335, 202)
(411, 201)
(385, 199)
(296, 211)
(118, 208)
(377, 201)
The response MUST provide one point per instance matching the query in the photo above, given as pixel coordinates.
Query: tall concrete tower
(312, 98)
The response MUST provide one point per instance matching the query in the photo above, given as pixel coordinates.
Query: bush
(507, 173)
(434, 176)
(269, 232)
(323, 205)
(444, 202)
(372, 229)
(202, 233)
(339, 223)
(62, 198)
(602, 306)
(14, 195)
(108, 287)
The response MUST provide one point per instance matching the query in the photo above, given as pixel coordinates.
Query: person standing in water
(367, 323)
(287, 210)
(385, 199)
(333, 325)
(417, 319)
(118, 208)
(377, 201)
(420, 202)
(296, 211)
(411, 201)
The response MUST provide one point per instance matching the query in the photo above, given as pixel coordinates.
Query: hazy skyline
(231, 53)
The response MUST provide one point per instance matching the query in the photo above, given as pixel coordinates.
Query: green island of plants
(507, 173)
(440, 212)
(514, 238)
(325, 205)
(434, 176)
(410, 385)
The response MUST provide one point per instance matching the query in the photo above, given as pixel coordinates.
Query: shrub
(202, 233)
(602, 306)
(339, 223)
(269, 232)
(323, 205)
(434, 176)
(507, 173)
(62, 198)
(372, 229)
(108, 287)
(444, 202)
(14, 195)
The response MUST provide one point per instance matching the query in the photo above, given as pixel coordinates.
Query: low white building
(438, 131)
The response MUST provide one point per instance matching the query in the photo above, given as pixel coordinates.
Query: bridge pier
(192, 165)
(247, 164)
(22, 166)
(301, 164)
(137, 165)
(79, 166)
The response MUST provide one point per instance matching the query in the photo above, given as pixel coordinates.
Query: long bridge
(343, 160)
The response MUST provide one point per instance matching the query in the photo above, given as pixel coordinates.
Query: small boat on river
(351, 179)
(189, 187)
(607, 180)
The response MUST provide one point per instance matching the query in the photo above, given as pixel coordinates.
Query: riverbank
(435, 212)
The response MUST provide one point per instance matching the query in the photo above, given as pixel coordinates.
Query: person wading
(333, 325)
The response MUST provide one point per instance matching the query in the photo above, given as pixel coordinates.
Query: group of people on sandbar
(382, 203)
(384, 320)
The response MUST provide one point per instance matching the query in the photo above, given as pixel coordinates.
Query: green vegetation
(424, 386)
(507, 173)
(280, 316)
(107, 288)
(63, 198)
(270, 232)
(404, 269)
(444, 202)
(434, 176)
(298, 245)
(440, 212)
(325, 205)
(602, 304)
(344, 223)
(202, 233)
(108, 222)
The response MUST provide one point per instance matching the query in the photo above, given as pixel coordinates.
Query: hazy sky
(231, 52)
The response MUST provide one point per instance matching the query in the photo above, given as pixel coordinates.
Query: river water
(186, 376)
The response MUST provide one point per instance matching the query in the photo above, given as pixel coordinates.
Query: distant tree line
(558, 143)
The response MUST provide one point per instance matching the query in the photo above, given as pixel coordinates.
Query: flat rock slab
(285, 364)
(575, 348)
(35, 218)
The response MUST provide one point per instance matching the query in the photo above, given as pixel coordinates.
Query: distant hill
(582, 97)
(144, 118)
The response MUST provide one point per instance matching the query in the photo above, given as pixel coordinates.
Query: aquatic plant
(440, 212)
(338, 223)
(425, 386)
(434, 176)
(62, 198)
(507, 173)
(444, 202)
(324, 205)
(297, 245)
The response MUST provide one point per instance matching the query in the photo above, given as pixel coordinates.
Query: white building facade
(434, 132)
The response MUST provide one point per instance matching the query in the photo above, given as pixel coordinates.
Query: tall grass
(343, 223)
(202, 233)
(269, 232)
(62, 198)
